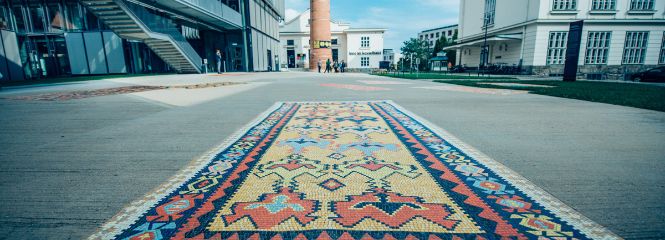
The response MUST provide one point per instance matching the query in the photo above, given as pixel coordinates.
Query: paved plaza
(76, 154)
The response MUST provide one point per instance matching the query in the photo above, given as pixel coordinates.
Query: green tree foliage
(419, 49)
(442, 43)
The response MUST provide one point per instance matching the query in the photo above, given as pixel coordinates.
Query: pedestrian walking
(343, 66)
(318, 64)
(218, 57)
(328, 66)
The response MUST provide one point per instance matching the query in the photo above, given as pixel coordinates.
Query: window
(437, 35)
(364, 61)
(92, 23)
(641, 5)
(37, 15)
(556, 48)
(55, 21)
(4, 18)
(20, 18)
(490, 9)
(421, 37)
(635, 47)
(603, 5)
(662, 51)
(74, 16)
(564, 5)
(333, 41)
(290, 42)
(364, 42)
(450, 32)
(597, 47)
(431, 35)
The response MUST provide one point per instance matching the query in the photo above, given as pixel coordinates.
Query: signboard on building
(321, 44)
(573, 51)
(366, 53)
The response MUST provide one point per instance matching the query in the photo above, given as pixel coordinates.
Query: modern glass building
(53, 38)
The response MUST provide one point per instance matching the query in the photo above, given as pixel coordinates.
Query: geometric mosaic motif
(343, 170)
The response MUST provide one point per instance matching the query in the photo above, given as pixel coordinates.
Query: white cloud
(443, 4)
(299, 5)
(400, 25)
(291, 13)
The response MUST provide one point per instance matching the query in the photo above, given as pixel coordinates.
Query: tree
(442, 43)
(452, 54)
(419, 49)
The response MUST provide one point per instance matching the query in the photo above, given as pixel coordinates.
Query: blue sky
(403, 19)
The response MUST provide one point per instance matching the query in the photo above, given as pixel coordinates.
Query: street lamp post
(485, 51)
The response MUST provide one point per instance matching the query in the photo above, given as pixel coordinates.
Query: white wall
(617, 41)
(375, 45)
(443, 32)
(512, 15)
(508, 13)
(348, 40)
(265, 34)
(584, 11)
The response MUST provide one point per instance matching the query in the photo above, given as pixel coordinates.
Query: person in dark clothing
(328, 67)
(336, 67)
(343, 66)
(218, 57)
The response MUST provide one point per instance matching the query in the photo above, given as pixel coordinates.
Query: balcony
(212, 12)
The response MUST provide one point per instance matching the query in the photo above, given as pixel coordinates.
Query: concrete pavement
(67, 166)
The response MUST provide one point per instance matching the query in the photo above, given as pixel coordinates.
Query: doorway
(236, 59)
(335, 55)
(291, 58)
(44, 56)
(269, 61)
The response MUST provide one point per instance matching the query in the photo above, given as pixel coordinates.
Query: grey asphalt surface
(68, 166)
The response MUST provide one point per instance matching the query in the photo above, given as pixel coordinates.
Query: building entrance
(44, 56)
(335, 55)
(269, 61)
(236, 59)
(291, 58)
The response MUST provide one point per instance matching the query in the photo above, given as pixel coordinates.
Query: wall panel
(115, 55)
(76, 53)
(95, 50)
(14, 69)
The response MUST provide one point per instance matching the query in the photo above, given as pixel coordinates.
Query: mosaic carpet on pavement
(347, 170)
(63, 96)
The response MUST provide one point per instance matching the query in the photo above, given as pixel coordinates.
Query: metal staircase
(164, 39)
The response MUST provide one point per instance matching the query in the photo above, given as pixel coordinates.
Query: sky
(402, 19)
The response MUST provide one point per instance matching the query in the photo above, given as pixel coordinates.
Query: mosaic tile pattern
(377, 82)
(63, 96)
(354, 87)
(347, 170)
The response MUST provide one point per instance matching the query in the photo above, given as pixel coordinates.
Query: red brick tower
(319, 33)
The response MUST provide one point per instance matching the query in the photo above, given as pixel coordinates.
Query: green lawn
(438, 76)
(70, 79)
(624, 94)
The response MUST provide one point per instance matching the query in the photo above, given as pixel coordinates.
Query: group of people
(330, 66)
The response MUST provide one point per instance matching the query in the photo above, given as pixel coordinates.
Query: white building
(619, 36)
(360, 48)
(432, 35)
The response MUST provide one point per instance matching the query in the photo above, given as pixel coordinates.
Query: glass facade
(41, 27)
(54, 38)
